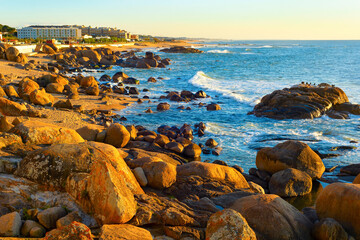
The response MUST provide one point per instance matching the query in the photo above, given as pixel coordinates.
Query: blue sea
(237, 74)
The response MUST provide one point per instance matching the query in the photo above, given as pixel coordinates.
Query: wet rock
(163, 107)
(329, 229)
(357, 179)
(134, 90)
(290, 154)
(49, 216)
(211, 143)
(271, 217)
(331, 204)
(152, 80)
(180, 49)
(10, 225)
(213, 107)
(117, 135)
(352, 169)
(200, 94)
(228, 225)
(348, 107)
(299, 102)
(33, 132)
(290, 183)
(124, 231)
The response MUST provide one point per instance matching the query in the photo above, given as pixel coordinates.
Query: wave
(218, 51)
(200, 79)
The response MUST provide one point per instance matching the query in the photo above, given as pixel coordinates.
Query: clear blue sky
(227, 19)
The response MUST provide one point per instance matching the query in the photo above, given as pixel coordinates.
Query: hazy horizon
(227, 20)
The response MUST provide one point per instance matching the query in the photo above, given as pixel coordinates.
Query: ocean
(237, 74)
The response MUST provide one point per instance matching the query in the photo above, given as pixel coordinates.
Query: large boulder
(290, 183)
(7, 139)
(300, 102)
(49, 216)
(10, 225)
(192, 150)
(341, 201)
(41, 97)
(117, 135)
(272, 218)
(89, 81)
(94, 174)
(48, 50)
(228, 225)
(43, 81)
(92, 55)
(34, 132)
(26, 86)
(10, 108)
(12, 53)
(290, 154)
(213, 171)
(124, 231)
(54, 88)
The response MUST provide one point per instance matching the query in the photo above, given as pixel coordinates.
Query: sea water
(237, 74)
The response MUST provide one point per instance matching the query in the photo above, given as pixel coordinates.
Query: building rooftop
(50, 26)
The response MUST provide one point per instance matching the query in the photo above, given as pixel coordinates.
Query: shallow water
(236, 75)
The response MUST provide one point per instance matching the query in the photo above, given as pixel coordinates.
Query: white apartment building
(49, 32)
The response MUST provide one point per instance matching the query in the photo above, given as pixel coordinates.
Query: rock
(10, 225)
(151, 62)
(40, 97)
(74, 231)
(329, 229)
(10, 91)
(34, 132)
(64, 104)
(348, 107)
(290, 183)
(290, 154)
(133, 131)
(48, 50)
(49, 216)
(256, 187)
(149, 55)
(192, 150)
(152, 80)
(211, 143)
(5, 126)
(119, 76)
(2, 92)
(7, 139)
(89, 81)
(184, 232)
(213, 171)
(352, 169)
(134, 90)
(28, 226)
(200, 94)
(94, 56)
(68, 219)
(117, 135)
(180, 49)
(10, 108)
(163, 107)
(131, 80)
(271, 217)
(142, 64)
(88, 132)
(140, 176)
(161, 140)
(12, 53)
(92, 90)
(299, 102)
(174, 146)
(341, 201)
(125, 232)
(54, 88)
(51, 78)
(84, 61)
(213, 107)
(37, 232)
(357, 179)
(228, 225)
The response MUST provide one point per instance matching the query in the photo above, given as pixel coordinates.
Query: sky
(225, 19)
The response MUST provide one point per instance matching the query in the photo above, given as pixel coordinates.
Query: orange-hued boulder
(117, 135)
(228, 224)
(272, 218)
(34, 132)
(26, 86)
(10, 108)
(341, 201)
(89, 81)
(213, 171)
(41, 97)
(357, 179)
(124, 231)
(290, 154)
(73, 231)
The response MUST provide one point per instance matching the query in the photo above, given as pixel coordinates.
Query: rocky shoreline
(72, 169)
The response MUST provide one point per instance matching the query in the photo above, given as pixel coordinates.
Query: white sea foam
(200, 79)
(218, 51)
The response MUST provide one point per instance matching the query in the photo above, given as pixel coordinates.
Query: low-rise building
(49, 32)
(0, 37)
